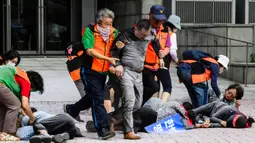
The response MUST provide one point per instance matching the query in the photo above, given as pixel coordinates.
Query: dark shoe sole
(132, 138)
(38, 139)
(78, 118)
(59, 138)
(107, 136)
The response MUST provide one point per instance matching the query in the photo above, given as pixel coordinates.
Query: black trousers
(150, 84)
(58, 124)
(165, 78)
(94, 84)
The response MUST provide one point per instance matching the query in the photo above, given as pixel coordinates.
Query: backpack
(73, 48)
(195, 55)
(76, 54)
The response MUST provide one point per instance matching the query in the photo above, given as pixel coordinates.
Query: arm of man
(166, 50)
(117, 47)
(27, 109)
(156, 46)
(25, 94)
(214, 79)
(116, 52)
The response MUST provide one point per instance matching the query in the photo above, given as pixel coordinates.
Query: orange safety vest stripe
(22, 74)
(151, 58)
(75, 75)
(188, 61)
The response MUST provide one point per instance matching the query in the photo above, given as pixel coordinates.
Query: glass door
(57, 26)
(24, 26)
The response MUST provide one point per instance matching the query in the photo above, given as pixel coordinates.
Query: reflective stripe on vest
(151, 58)
(22, 74)
(103, 48)
(188, 61)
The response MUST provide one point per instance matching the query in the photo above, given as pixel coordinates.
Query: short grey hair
(104, 13)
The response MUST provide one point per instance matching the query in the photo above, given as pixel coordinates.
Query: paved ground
(61, 90)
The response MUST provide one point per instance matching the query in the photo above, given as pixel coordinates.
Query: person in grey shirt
(223, 114)
(165, 109)
(129, 70)
(232, 95)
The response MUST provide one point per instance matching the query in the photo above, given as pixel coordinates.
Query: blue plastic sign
(170, 124)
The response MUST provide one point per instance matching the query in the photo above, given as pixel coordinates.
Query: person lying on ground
(232, 95)
(152, 111)
(167, 109)
(223, 114)
(61, 126)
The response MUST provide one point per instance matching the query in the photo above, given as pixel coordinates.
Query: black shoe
(106, 134)
(40, 139)
(59, 138)
(78, 118)
(90, 126)
(67, 110)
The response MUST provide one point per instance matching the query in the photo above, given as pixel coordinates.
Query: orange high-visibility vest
(151, 58)
(103, 48)
(206, 75)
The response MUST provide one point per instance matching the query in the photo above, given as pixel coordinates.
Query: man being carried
(129, 70)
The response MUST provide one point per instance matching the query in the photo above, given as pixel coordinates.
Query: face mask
(11, 63)
(221, 70)
(175, 30)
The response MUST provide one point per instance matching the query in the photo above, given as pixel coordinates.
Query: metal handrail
(220, 36)
(228, 45)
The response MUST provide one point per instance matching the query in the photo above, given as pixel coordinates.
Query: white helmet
(223, 60)
(175, 20)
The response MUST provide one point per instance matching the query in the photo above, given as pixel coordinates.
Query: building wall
(88, 11)
(129, 12)
(194, 40)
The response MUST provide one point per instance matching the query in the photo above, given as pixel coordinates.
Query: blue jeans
(197, 92)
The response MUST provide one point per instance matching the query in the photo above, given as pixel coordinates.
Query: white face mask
(11, 63)
(221, 70)
(175, 30)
